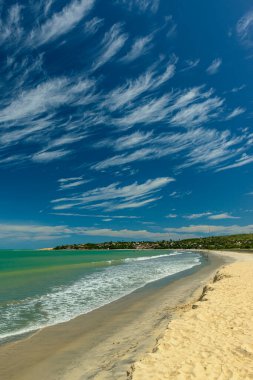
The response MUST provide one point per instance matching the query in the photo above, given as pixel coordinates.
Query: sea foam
(98, 288)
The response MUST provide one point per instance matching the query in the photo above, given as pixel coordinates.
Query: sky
(124, 120)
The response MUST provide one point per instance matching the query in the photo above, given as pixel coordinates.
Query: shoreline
(114, 336)
(26, 333)
(212, 337)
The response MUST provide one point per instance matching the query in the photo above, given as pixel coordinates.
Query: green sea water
(42, 288)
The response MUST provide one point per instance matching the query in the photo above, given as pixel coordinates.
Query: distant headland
(242, 241)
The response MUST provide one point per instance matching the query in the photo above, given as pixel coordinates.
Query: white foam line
(196, 262)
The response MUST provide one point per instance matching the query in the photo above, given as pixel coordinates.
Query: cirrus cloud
(114, 196)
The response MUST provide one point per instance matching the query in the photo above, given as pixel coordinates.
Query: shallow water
(40, 288)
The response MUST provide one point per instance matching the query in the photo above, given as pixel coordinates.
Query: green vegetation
(244, 241)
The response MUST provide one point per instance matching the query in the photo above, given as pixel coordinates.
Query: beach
(116, 341)
(212, 338)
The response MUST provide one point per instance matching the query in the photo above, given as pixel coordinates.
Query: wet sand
(211, 339)
(104, 343)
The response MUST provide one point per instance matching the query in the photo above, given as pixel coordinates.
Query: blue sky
(125, 119)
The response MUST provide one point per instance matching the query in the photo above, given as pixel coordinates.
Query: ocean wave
(145, 258)
(98, 288)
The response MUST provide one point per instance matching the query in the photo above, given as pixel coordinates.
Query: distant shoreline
(237, 242)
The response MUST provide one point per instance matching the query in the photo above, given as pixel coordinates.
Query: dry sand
(213, 338)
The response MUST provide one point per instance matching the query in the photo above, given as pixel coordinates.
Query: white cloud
(198, 113)
(171, 26)
(129, 234)
(47, 4)
(166, 75)
(31, 232)
(11, 29)
(93, 25)
(70, 183)
(95, 215)
(197, 216)
(65, 140)
(124, 95)
(187, 97)
(178, 194)
(70, 179)
(244, 28)
(236, 112)
(128, 92)
(237, 89)
(213, 150)
(13, 137)
(35, 101)
(111, 44)
(114, 196)
(180, 108)
(152, 111)
(211, 216)
(211, 229)
(47, 156)
(137, 138)
(61, 23)
(135, 204)
(200, 147)
(119, 160)
(140, 47)
(191, 64)
(214, 67)
(244, 160)
(225, 215)
(11, 160)
(44, 97)
(142, 5)
(33, 116)
(171, 216)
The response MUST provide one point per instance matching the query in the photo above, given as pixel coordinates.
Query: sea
(44, 288)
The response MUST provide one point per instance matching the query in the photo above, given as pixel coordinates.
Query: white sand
(212, 339)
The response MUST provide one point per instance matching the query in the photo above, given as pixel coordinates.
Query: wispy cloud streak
(60, 23)
(11, 29)
(143, 5)
(244, 28)
(236, 112)
(203, 148)
(70, 183)
(112, 43)
(139, 48)
(214, 67)
(114, 196)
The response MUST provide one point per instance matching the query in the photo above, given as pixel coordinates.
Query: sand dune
(212, 339)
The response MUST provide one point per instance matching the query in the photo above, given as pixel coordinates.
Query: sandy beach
(105, 343)
(212, 338)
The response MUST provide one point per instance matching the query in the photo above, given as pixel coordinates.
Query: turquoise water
(43, 288)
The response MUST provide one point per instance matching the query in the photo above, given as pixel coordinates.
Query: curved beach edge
(212, 337)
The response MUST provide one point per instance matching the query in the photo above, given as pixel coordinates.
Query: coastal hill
(242, 241)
